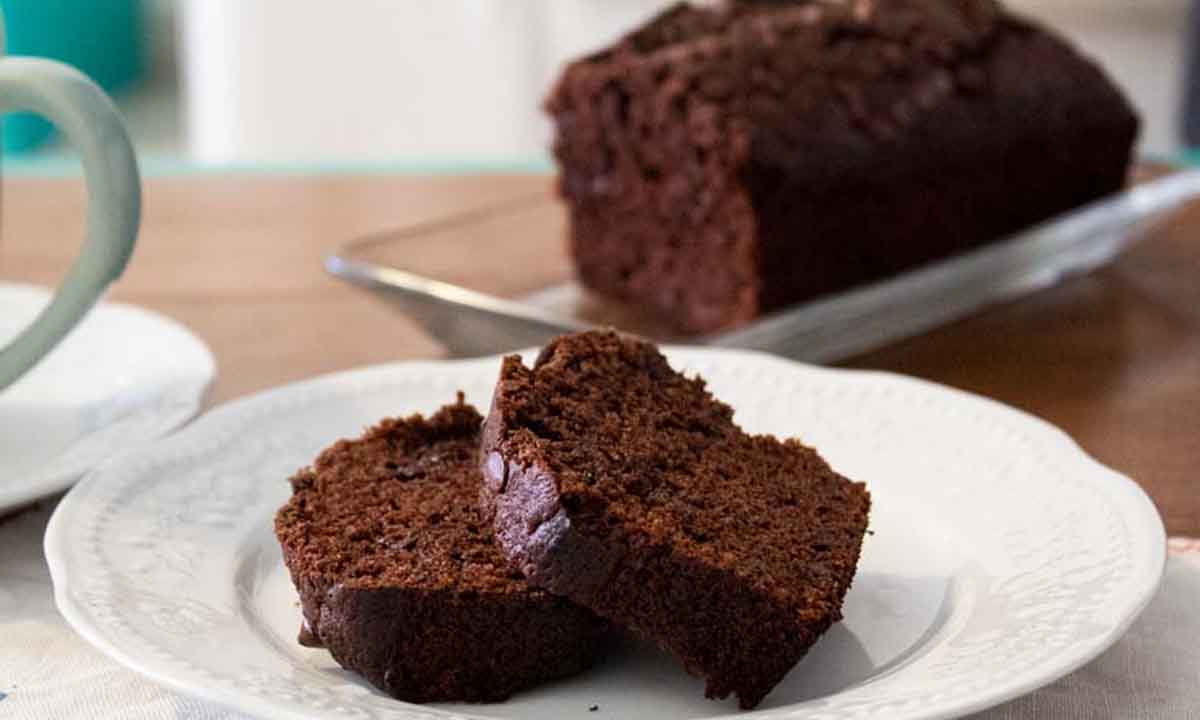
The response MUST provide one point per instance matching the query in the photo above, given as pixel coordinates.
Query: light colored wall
(437, 80)
(462, 80)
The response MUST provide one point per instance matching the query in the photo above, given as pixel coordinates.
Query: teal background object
(104, 39)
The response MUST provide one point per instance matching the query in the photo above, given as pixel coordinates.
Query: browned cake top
(872, 66)
(641, 450)
(939, 27)
(398, 507)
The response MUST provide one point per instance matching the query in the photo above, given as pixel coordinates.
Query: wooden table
(1113, 358)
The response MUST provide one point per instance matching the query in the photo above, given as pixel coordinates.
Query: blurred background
(431, 84)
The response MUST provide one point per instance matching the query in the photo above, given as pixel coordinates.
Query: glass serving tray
(499, 278)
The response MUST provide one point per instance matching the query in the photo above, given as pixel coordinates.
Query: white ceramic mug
(88, 119)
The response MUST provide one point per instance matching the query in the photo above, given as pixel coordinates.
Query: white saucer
(1002, 556)
(123, 377)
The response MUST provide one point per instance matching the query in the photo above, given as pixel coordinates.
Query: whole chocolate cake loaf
(625, 486)
(399, 576)
(725, 161)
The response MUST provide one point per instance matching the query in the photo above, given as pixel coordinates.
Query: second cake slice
(399, 578)
(625, 486)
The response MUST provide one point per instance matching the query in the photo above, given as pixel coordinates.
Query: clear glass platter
(500, 278)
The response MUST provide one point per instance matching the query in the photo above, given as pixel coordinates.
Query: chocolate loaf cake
(625, 486)
(722, 162)
(400, 578)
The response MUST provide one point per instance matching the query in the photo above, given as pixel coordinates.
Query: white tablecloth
(49, 673)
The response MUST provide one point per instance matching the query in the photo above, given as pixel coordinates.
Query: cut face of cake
(400, 579)
(627, 487)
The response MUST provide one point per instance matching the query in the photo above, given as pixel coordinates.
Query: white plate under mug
(124, 376)
(1002, 556)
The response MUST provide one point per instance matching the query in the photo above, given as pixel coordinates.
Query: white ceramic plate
(1002, 556)
(123, 377)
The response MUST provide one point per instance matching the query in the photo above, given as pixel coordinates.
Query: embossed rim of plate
(76, 521)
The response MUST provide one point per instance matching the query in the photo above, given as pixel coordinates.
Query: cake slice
(625, 486)
(399, 576)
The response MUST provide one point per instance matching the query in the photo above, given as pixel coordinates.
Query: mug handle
(87, 117)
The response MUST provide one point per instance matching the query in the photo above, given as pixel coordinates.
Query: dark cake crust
(720, 163)
(689, 554)
(400, 579)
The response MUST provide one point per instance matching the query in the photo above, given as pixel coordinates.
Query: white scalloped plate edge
(1146, 532)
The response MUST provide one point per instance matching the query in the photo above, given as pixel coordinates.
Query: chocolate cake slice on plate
(400, 579)
(627, 487)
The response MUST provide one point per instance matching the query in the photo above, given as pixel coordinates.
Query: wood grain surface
(1113, 358)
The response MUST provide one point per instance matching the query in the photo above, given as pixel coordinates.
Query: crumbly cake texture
(625, 486)
(722, 162)
(399, 576)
